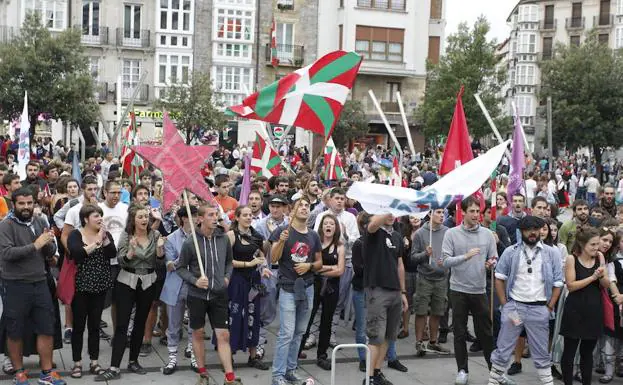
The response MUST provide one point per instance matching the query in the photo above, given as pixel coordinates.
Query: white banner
(23, 153)
(460, 182)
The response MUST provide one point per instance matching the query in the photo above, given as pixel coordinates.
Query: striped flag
(333, 169)
(395, 178)
(274, 59)
(132, 164)
(266, 161)
(311, 97)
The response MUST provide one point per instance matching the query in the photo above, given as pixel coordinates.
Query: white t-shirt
(73, 216)
(115, 219)
(531, 187)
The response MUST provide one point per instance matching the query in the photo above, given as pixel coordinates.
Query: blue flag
(75, 168)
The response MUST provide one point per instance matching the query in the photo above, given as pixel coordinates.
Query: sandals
(96, 369)
(76, 371)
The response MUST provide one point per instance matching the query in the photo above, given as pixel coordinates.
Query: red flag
(458, 149)
(132, 164)
(274, 59)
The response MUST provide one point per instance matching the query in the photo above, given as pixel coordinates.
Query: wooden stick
(390, 131)
(406, 124)
(192, 231)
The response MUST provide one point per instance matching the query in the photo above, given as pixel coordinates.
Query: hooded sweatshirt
(419, 257)
(468, 276)
(217, 256)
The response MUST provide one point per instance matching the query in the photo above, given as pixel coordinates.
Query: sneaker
(135, 367)
(332, 341)
(108, 375)
(67, 336)
(310, 342)
(506, 381)
(382, 380)
(21, 378)
(188, 351)
(436, 348)
(397, 365)
(469, 337)
(7, 366)
(52, 378)
(279, 381)
(461, 378)
(293, 377)
(419, 349)
(323, 363)
(193, 364)
(171, 366)
(257, 363)
(514, 369)
(146, 349)
(476, 347)
(443, 337)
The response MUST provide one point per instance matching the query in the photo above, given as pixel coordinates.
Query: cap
(530, 222)
(278, 199)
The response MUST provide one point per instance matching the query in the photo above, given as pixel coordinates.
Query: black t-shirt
(299, 248)
(381, 251)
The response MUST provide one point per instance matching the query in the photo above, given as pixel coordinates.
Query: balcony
(575, 23)
(127, 90)
(287, 54)
(101, 92)
(93, 34)
(285, 5)
(548, 25)
(603, 21)
(133, 38)
(8, 33)
(388, 5)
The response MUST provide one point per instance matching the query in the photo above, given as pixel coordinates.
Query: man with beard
(25, 243)
(581, 217)
(510, 221)
(38, 185)
(528, 283)
(607, 202)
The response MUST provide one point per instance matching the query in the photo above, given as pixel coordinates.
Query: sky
(496, 12)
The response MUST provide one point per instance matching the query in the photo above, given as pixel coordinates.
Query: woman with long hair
(243, 289)
(91, 248)
(582, 320)
(140, 250)
(327, 286)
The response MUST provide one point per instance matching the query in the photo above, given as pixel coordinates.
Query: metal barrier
(349, 346)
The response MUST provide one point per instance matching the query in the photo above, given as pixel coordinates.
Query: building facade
(536, 27)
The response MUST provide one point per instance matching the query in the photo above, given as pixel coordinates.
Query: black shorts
(27, 304)
(217, 309)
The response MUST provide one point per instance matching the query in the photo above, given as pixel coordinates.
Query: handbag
(66, 287)
(608, 309)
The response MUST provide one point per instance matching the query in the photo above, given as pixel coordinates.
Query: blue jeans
(359, 303)
(293, 320)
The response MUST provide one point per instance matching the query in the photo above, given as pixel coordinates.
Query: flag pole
(405, 123)
(192, 231)
(384, 119)
(490, 121)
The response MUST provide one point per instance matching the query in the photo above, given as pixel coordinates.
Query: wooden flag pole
(490, 121)
(385, 122)
(405, 123)
(192, 231)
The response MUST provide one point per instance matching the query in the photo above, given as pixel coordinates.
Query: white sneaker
(310, 343)
(461, 378)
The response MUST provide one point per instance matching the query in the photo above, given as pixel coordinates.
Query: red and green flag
(274, 59)
(333, 169)
(311, 97)
(395, 178)
(131, 163)
(266, 161)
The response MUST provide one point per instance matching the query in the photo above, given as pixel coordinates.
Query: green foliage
(54, 71)
(352, 124)
(586, 87)
(193, 106)
(470, 61)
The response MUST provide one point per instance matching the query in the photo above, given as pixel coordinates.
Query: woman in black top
(327, 285)
(91, 248)
(582, 318)
(243, 290)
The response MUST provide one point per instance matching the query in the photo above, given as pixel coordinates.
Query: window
(173, 69)
(234, 24)
(525, 74)
(130, 76)
(548, 22)
(132, 21)
(619, 7)
(436, 9)
(604, 38)
(53, 12)
(340, 36)
(232, 50)
(547, 47)
(233, 79)
(604, 12)
(574, 40)
(285, 41)
(434, 44)
(378, 43)
(236, 2)
(576, 15)
(90, 18)
(382, 4)
(527, 42)
(512, 78)
(392, 88)
(528, 13)
(524, 105)
(175, 15)
(618, 41)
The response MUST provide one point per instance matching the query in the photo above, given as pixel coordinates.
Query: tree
(470, 61)
(351, 125)
(586, 87)
(193, 106)
(54, 71)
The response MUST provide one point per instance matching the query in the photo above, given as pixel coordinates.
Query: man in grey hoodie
(469, 250)
(208, 294)
(432, 282)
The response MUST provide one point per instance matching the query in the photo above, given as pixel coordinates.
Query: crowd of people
(299, 249)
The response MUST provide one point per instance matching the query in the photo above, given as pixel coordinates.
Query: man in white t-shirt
(531, 188)
(115, 212)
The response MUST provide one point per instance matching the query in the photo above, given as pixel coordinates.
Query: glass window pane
(175, 20)
(162, 77)
(163, 19)
(164, 4)
(186, 60)
(186, 22)
(175, 4)
(186, 5)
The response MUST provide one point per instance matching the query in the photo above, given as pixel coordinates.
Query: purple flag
(518, 164)
(246, 181)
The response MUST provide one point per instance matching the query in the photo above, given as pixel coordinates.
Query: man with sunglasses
(528, 283)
